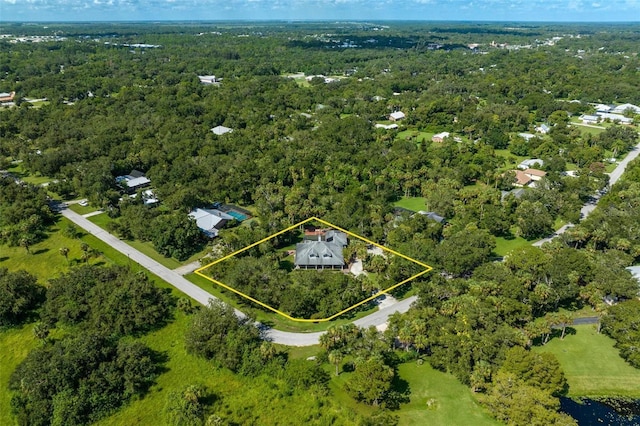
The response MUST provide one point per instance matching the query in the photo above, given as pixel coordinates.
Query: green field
(593, 366)
(452, 403)
(45, 260)
(16, 344)
(19, 171)
(414, 135)
(505, 245)
(412, 203)
(82, 209)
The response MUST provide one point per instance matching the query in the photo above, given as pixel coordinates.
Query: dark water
(606, 411)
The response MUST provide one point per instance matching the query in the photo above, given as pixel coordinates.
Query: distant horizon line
(328, 20)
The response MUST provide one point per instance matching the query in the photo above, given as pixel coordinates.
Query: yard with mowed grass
(452, 403)
(16, 343)
(592, 365)
(45, 260)
(505, 245)
(412, 203)
(415, 135)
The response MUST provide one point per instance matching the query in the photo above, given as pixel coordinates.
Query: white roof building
(208, 79)
(395, 116)
(210, 220)
(527, 164)
(620, 109)
(221, 130)
(615, 117)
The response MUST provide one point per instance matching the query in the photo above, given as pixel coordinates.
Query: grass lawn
(511, 160)
(453, 403)
(412, 203)
(587, 129)
(36, 179)
(82, 209)
(592, 365)
(45, 260)
(416, 135)
(16, 344)
(505, 245)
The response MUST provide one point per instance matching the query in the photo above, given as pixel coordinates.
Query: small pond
(601, 412)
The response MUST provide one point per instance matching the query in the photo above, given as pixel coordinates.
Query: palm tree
(26, 243)
(335, 358)
(65, 252)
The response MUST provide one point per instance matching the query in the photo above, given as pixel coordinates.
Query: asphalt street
(175, 279)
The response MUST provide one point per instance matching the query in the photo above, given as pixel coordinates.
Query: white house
(386, 126)
(543, 128)
(221, 130)
(396, 116)
(210, 221)
(620, 109)
(208, 79)
(526, 136)
(439, 137)
(527, 164)
(615, 117)
(589, 119)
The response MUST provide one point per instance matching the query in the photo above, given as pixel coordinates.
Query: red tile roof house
(7, 97)
(522, 179)
(535, 174)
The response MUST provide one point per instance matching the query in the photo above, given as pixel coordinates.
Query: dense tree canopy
(20, 295)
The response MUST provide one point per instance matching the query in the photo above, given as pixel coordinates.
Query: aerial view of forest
(135, 156)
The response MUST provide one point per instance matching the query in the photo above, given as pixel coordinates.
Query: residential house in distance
(543, 128)
(621, 109)
(396, 116)
(526, 136)
(133, 181)
(535, 174)
(208, 79)
(527, 164)
(210, 221)
(221, 130)
(321, 250)
(7, 97)
(602, 108)
(387, 126)
(439, 137)
(589, 119)
(522, 179)
(432, 216)
(615, 117)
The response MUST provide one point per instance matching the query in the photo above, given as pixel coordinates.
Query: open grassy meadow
(438, 398)
(16, 344)
(592, 365)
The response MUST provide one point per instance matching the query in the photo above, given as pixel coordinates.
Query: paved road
(590, 206)
(203, 297)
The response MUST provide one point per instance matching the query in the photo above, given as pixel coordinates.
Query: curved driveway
(187, 287)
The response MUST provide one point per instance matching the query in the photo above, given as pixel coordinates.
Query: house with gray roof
(133, 181)
(323, 252)
(210, 221)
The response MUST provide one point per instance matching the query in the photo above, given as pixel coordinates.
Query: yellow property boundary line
(200, 270)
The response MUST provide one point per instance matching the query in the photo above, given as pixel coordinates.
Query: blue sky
(479, 10)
